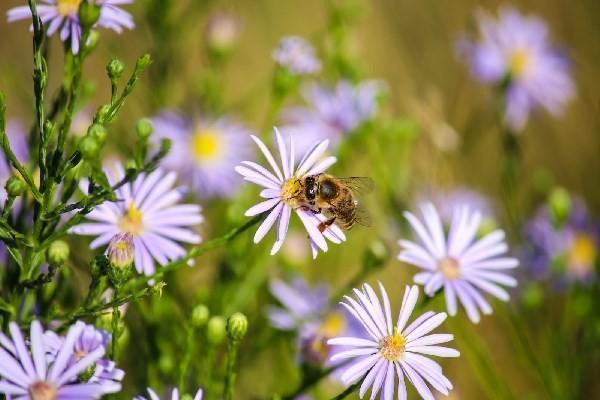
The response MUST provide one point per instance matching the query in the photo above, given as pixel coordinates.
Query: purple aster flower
(297, 56)
(385, 350)
(174, 395)
(281, 191)
(515, 49)
(447, 201)
(27, 372)
(62, 15)
(205, 152)
(90, 339)
(148, 209)
(331, 113)
(572, 249)
(461, 263)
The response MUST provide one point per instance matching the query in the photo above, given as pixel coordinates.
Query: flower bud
(14, 186)
(121, 250)
(215, 330)
(237, 326)
(93, 39)
(103, 111)
(58, 252)
(376, 255)
(98, 132)
(143, 62)
(200, 315)
(89, 13)
(143, 128)
(222, 32)
(115, 69)
(560, 206)
(89, 148)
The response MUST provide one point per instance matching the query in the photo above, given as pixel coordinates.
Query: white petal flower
(282, 187)
(461, 263)
(388, 351)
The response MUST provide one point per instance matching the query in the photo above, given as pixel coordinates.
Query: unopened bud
(560, 205)
(215, 330)
(222, 32)
(237, 326)
(143, 61)
(143, 128)
(93, 39)
(58, 252)
(200, 315)
(115, 69)
(103, 111)
(14, 186)
(89, 148)
(98, 132)
(121, 251)
(89, 13)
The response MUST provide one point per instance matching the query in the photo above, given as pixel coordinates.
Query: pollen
(67, 7)
(333, 324)
(133, 220)
(206, 145)
(42, 390)
(449, 267)
(519, 62)
(290, 190)
(392, 347)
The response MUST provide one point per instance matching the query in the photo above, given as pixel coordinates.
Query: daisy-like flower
(515, 50)
(331, 113)
(174, 395)
(204, 152)
(27, 372)
(282, 190)
(387, 351)
(62, 15)
(297, 56)
(90, 339)
(461, 263)
(148, 209)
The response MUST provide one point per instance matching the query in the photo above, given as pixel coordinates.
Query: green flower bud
(121, 250)
(237, 326)
(14, 186)
(115, 69)
(200, 315)
(143, 62)
(89, 148)
(89, 13)
(98, 132)
(58, 252)
(215, 330)
(143, 128)
(93, 40)
(560, 205)
(103, 111)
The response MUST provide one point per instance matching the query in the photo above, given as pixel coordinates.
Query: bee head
(310, 187)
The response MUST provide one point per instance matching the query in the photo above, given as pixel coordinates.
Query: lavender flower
(121, 251)
(174, 395)
(90, 339)
(148, 209)
(62, 15)
(572, 248)
(389, 350)
(331, 113)
(447, 201)
(460, 263)
(297, 56)
(205, 151)
(281, 191)
(515, 50)
(27, 372)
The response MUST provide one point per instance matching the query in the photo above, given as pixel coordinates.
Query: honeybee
(335, 198)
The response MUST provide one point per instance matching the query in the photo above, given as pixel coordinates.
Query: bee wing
(358, 184)
(362, 216)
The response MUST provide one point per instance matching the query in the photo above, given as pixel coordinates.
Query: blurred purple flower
(205, 152)
(570, 251)
(515, 50)
(28, 373)
(281, 191)
(296, 55)
(446, 201)
(174, 395)
(148, 209)
(62, 15)
(331, 113)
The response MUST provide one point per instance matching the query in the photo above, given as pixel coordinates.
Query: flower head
(204, 151)
(461, 263)
(63, 15)
(147, 209)
(297, 55)
(515, 49)
(331, 113)
(121, 250)
(387, 350)
(28, 373)
(174, 395)
(281, 189)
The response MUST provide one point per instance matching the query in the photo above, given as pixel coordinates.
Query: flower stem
(230, 373)
(349, 390)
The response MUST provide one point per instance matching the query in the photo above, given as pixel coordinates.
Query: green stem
(230, 373)
(349, 390)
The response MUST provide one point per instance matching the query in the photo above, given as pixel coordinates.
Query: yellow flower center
(582, 254)
(206, 145)
(519, 62)
(132, 221)
(42, 390)
(291, 190)
(67, 7)
(392, 347)
(449, 267)
(333, 324)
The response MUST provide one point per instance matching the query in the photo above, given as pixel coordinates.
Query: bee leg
(326, 224)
